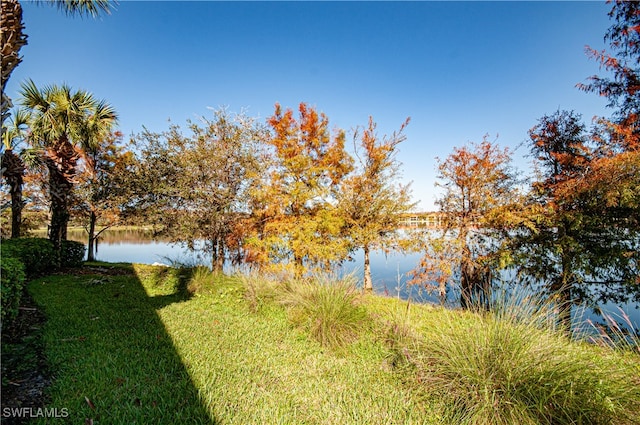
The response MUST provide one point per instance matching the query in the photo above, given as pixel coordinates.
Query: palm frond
(32, 158)
(82, 8)
(16, 130)
(32, 97)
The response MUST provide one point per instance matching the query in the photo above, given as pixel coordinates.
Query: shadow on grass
(110, 355)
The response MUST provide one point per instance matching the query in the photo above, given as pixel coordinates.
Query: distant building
(432, 220)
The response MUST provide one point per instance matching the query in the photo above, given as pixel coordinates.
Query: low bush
(72, 254)
(12, 278)
(37, 254)
(327, 308)
(508, 367)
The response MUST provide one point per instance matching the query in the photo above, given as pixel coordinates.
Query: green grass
(163, 345)
(111, 356)
(143, 351)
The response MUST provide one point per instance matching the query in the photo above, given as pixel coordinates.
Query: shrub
(37, 254)
(508, 367)
(12, 279)
(327, 308)
(72, 254)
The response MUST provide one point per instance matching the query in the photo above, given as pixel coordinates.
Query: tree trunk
(16, 210)
(217, 255)
(60, 190)
(562, 287)
(13, 171)
(298, 262)
(13, 38)
(561, 290)
(61, 163)
(368, 283)
(466, 278)
(92, 237)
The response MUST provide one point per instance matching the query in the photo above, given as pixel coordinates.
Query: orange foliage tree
(372, 200)
(587, 233)
(622, 89)
(299, 224)
(479, 205)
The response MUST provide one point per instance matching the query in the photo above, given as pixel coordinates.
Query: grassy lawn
(136, 349)
(130, 344)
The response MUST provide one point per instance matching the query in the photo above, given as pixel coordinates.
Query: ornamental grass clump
(329, 309)
(513, 366)
(260, 291)
(200, 280)
(617, 332)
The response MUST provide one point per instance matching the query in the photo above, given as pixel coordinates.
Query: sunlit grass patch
(255, 367)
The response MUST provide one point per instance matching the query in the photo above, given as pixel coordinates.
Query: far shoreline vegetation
(293, 197)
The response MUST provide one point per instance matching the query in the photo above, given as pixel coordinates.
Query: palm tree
(13, 36)
(13, 167)
(64, 125)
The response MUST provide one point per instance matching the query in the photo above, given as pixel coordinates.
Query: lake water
(390, 272)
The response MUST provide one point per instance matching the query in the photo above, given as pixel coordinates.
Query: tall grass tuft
(617, 332)
(328, 308)
(260, 291)
(513, 366)
(201, 279)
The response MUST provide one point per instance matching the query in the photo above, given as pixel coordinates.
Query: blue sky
(460, 70)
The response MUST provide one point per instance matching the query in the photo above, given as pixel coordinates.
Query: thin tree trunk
(214, 254)
(466, 277)
(561, 292)
(298, 262)
(561, 288)
(92, 237)
(220, 259)
(368, 283)
(217, 255)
